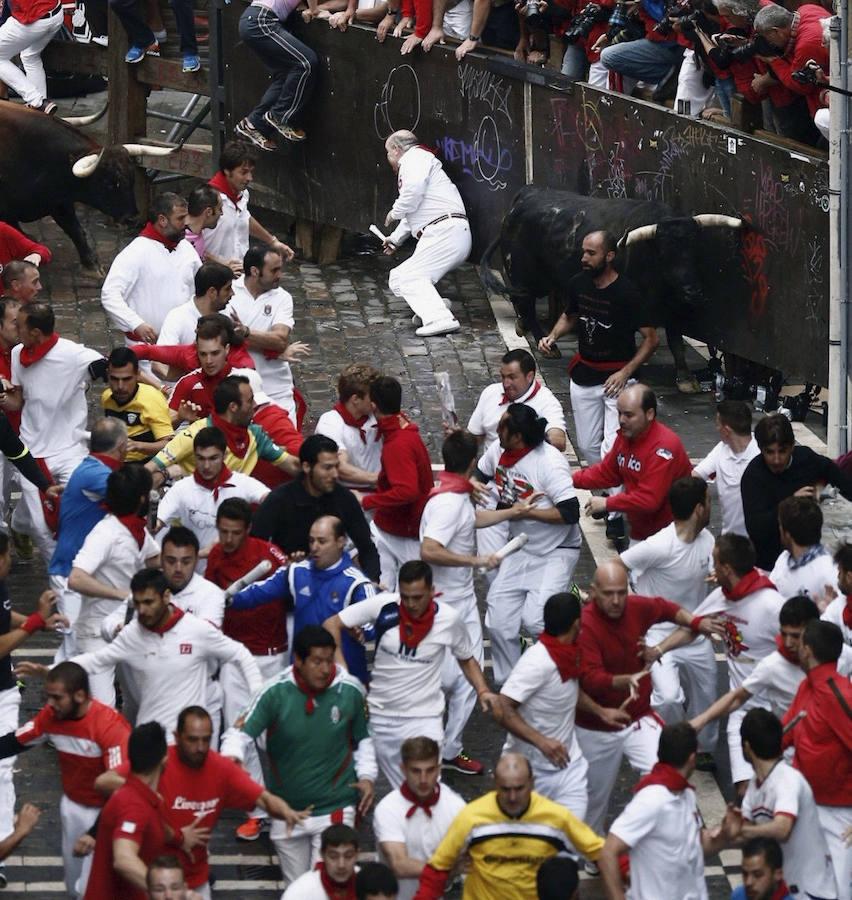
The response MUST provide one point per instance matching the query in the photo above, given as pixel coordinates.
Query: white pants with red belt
(458, 691)
(299, 851)
(596, 420)
(28, 41)
(389, 731)
(604, 751)
(394, 552)
(76, 820)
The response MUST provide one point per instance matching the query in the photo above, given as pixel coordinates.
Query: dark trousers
(185, 19)
(293, 66)
(140, 35)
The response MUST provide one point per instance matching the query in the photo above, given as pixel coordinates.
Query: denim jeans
(293, 66)
(185, 20)
(643, 60)
(138, 33)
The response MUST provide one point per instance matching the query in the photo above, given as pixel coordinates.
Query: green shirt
(311, 754)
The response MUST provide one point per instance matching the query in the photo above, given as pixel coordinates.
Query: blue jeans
(574, 62)
(138, 32)
(643, 60)
(724, 91)
(293, 66)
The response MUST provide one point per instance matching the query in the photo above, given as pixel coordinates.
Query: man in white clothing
(412, 820)
(213, 291)
(335, 874)
(149, 277)
(727, 461)
(674, 563)
(190, 592)
(839, 611)
(429, 207)
(29, 28)
(805, 566)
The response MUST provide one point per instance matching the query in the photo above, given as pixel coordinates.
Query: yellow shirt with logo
(146, 416)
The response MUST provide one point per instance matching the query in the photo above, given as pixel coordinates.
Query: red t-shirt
(280, 427)
(218, 785)
(134, 812)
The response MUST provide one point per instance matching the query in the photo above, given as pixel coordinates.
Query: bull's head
(88, 164)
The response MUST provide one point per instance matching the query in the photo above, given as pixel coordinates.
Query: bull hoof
(688, 384)
(520, 331)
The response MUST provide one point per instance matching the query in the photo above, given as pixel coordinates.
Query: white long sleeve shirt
(230, 238)
(145, 281)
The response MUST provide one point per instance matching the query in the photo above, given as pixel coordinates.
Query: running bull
(541, 242)
(47, 165)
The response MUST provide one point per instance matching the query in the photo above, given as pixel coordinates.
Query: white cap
(260, 398)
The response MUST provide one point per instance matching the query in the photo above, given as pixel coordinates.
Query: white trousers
(76, 820)
(741, 769)
(458, 691)
(394, 552)
(102, 684)
(596, 420)
(685, 685)
(458, 20)
(692, 95)
(10, 705)
(299, 852)
(489, 540)
(568, 786)
(516, 599)
(390, 731)
(598, 75)
(442, 248)
(822, 120)
(604, 751)
(834, 821)
(69, 603)
(29, 41)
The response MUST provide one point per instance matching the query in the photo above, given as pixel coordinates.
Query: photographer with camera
(580, 36)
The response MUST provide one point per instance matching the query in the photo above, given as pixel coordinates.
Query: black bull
(541, 244)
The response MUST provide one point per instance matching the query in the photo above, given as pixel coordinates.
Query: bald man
(429, 207)
(515, 831)
(611, 643)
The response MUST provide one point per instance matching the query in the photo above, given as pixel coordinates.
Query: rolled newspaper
(509, 548)
(448, 401)
(383, 238)
(255, 574)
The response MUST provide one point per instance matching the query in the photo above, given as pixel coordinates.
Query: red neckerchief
(666, 775)
(451, 483)
(509, 458)
(334, 890)
(173, 619)
(211, 382)
(220, 481)
(781, 892)
(236, 437)
(309, 692)
(397, 422)
(426, 805)
(30, 355)
(411, 630)
(221, 183)
(136, 526)
(847, 612)
(790, 657)
(153, 235)
(748, 584)
(108, 461)
(566, 656)
(536, 388)
(351, 421)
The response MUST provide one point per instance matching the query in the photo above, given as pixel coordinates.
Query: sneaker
(591, 868)
(48, 107)
(286, 131)
(191, 63)
(250, 830)
(705, 762)
(442, 326)
(245, 129)
(23, 545)
(463, 764)
(137, 54)
(615, 528)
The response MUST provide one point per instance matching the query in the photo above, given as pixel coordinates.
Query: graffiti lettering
(398, 106)
(773, 213)
(814, 293)
(483, 159)
(480, 84)
(753, 255)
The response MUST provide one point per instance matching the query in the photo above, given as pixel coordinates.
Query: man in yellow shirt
(507, 833)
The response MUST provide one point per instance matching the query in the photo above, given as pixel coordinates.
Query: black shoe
(615, 528)
(705, 762)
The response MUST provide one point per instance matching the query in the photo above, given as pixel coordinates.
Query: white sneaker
(442, 326)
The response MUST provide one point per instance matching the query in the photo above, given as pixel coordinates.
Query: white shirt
(421, 834)
(728, 467)
(274, 307)
(752, 624)
(305, 887)
(230, 238)
(834, 613)
(547, 703)
(663, 830)
(202, 598)
(489, 410)
(807, 862)
(366, 455)
(54, 390)
(665, 566)
(543, 469)
(775, 680)
(812, 579)
(450, 519)
(170, 669)
(407, 683)
(110, 554)
(179, 325)
(145, 281)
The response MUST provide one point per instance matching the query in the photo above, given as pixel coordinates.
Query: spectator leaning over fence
(144, 42)
(28, 30)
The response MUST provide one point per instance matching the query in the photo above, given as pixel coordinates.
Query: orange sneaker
(250, 830)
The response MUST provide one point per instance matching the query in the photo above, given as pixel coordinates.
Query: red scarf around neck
(666, 775)
(221, 183)
(781, 892)
(411, 630)
(236, 437)
(175, 615)
(536, 388)
(426, 805)
(136, 526)
(309, 692)
(108, 461)
(220, 481)
(567, 657)
(509, 458)
(394, 422)
(334, 890)
(748, 584)
(790, 657)
(847, 612)
(153, 235)
(30, 355)
(351, 421)
(451, 483)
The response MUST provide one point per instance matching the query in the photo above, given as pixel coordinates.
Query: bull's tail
(492, 280)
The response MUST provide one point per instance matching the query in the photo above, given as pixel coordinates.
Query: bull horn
(87, 164)
(644, 233)
(706, 220)
(139, 150)
(83, 121)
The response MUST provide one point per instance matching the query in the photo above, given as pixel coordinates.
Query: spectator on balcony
(28, 30)
(145, 42)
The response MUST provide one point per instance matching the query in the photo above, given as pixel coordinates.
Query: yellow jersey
(146, 415)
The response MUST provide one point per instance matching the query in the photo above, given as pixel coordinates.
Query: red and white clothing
(179, 325)
(493, 403)
(361, 441)
(839, 611)
(230, 238)
(727, 467)
(310, 887)
(198, 388)
(400, 820)
(28, 30)
(813, 574)
(807, 862)
(16, 245)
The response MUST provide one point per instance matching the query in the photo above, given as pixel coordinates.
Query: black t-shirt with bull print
(608, 320)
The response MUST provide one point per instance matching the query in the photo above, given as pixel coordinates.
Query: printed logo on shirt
(335, 715)
(185, 649)
(733, 638)
(128, 827)
(132, 418)
(197, 806)
(305, 591)
(7, 604)
(267, 310)
(664, 454)
(511, 489)
(634, 464)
